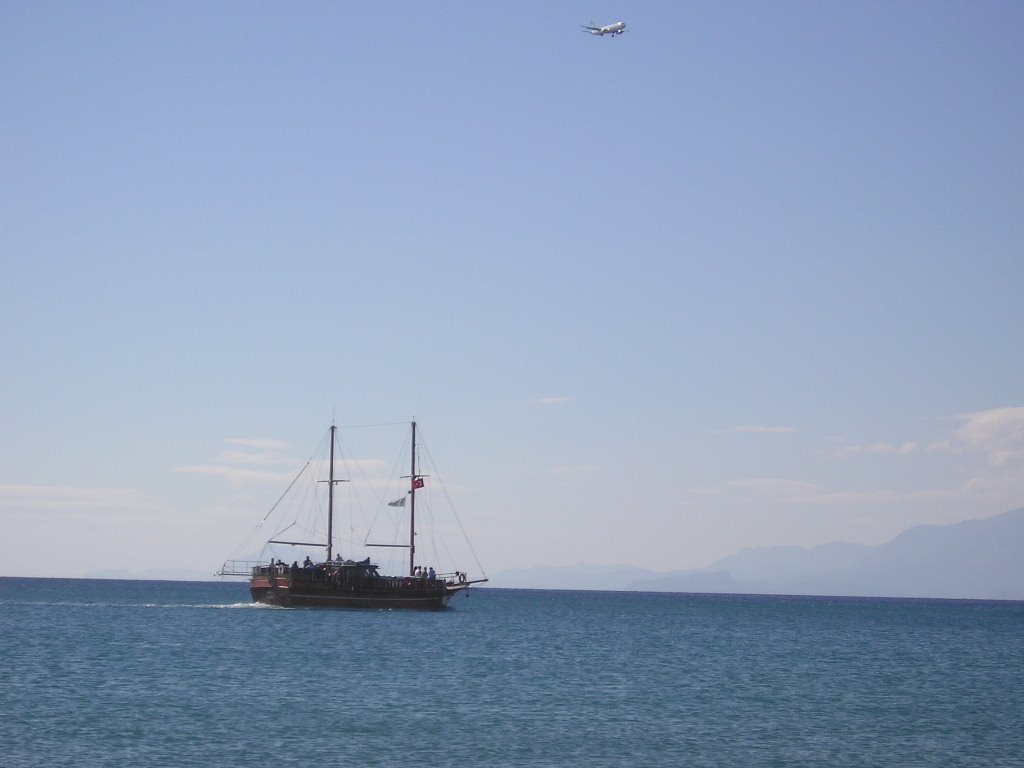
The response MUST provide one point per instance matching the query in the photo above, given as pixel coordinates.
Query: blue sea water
(120, 673)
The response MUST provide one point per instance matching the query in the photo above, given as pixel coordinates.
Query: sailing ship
(337, 582)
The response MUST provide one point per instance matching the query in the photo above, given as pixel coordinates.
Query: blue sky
(748, 274)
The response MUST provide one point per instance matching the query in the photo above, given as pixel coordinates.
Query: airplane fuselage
(612, 29)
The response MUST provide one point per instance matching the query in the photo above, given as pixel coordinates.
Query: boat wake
(208, 605)
(118, 604)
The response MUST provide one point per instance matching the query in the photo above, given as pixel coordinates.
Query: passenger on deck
(431, 574)
(295, 565)
(307, 563)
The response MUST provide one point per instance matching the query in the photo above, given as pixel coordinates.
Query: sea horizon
(227, 583)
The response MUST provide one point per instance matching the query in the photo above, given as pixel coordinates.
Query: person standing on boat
(431, 575)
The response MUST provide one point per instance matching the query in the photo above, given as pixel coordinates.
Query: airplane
(612, 29)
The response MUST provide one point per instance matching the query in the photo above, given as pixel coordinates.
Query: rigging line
(348, 461)
(252, 533)
(435, 530)
(432, 527)
(399, 519)
(387, 488)
(383, 424)
(245, 542)
(444, 488)
(309, 461)
(283, 530)
(318, 451)
(311, 505)
(380, 509)
(435, 536)
(396, 473)
(431, 520)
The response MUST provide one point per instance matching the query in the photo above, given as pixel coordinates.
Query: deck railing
(249, 568)
(237, 568)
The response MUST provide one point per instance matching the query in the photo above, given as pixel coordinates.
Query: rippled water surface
(109, 673)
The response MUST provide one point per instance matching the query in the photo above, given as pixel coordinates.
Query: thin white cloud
(997, 436)
(706, 490)
(793, 490)
(765, 430)
(364, 472)
(998, 433)
(238, 475)
(273, 445)
(366, 466)
(562, 471)
(802, 492)
(244, 467)
(997, 486)
(263, 458)
(878, 448)
(884, 495)
(50, 497)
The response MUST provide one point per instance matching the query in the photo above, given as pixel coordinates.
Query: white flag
(397, 502)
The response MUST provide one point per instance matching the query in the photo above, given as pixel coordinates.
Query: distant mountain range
(979, 559)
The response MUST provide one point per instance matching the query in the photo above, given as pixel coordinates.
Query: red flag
(417, 482)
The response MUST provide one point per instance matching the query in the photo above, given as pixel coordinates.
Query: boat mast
(412, 504)
(330, 500)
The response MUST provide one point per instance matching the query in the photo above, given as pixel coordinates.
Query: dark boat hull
(383, 593)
